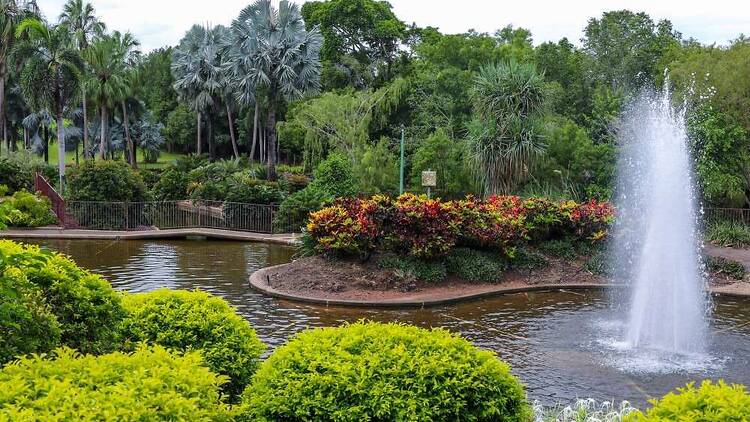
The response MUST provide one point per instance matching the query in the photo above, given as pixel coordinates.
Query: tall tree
(505, 136)
(626, 47)
(107, 84)
(81, 21)
(197, 69)
(273, 53)
(12, 12)
(51, 74)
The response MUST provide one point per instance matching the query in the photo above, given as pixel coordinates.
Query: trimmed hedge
(108, 181)
(88, 310)
(195, 320)
(385, 372)
(149, 384)
(717, 402)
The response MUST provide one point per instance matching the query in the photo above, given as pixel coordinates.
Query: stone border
(59, 233)
(259, 283)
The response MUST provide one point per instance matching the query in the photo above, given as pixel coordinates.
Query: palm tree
(197, 69)
(107, 84)
(505, 135)
(51, 74)
(80, 20)
(272, 52)
(12, 12)
(129, 56)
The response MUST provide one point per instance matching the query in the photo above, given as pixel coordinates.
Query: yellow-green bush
(25, 209)
(151, 384)
(26, 323)
(383, 372)
(88, 310)
(717, 402)
(196, 320)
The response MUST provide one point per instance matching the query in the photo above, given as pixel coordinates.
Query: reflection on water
(552, 340)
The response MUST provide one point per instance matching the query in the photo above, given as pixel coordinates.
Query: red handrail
(58, 203)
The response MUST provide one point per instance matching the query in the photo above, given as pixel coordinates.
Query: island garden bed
(419, 251)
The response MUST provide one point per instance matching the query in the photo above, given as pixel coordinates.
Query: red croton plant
(429, 228)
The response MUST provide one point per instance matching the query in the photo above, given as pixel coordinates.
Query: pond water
(558, 343)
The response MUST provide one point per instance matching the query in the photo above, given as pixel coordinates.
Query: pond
(558, 343)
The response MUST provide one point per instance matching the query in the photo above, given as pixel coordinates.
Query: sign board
(429, 179)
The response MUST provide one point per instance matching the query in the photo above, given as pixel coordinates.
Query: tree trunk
(25, 138)
(2, 102)
(46, 145)
(198, 133)
(103, 134)
(85, 126)
(61, 148)
(271, 139)
(255, 132)
(131, 147)
(231, 133)
(210, 136)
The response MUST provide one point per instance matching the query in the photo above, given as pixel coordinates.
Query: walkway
(59, 233)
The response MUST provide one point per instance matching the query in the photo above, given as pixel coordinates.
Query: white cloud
(163, 22)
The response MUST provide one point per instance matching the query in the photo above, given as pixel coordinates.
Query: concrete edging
(259, 283)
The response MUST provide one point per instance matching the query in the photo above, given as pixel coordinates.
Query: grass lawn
(165, 158)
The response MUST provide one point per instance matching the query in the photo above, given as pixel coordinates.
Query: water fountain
(657, 237)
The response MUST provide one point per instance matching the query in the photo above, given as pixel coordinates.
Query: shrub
(728, 234)
(497, 223)
(709, 402)
(151, 177)
(561, 248)
(349, 226)
(172, 186)
(293, 182)
(334, 176)
(17, 171)
(598, 263)
(296, 208)
(26, 323)
(88, 310)
(425, 228)
(473, 265)
(25, 209)
(525, 259)
(584, 410)
(430, 271)
(196, 320)
(108, 181)
(370, 371)
(149, 384)
(590, 220)
(725, 266)
(245, 189)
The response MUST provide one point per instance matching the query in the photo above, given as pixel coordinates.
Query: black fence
(132, 216)
(734, 215)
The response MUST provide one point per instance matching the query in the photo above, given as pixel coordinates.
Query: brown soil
(325, 279)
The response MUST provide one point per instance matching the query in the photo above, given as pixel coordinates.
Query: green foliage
(475, 265)
(370, 371)
(561, 248)
(24, 209)
(172, 186)
(27, 325)
(157, 80)
(716, 402)
(526, 259)
(248, 190)
(728, 234)
(109, 181)
(296, 208)
(566, 66)
(431, 271)
(334, 176)
(88, 310)
(732, 269)
(375, 169)
(180, 128)
(149, 384)
(182, 320)
(17, 171)
(598, 263)
(449, 158)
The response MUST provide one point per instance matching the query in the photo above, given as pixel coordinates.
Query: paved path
(735, 254)
(58, 233)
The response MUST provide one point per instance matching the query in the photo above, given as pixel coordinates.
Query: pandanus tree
(83, 25)
(51, 74)
(505, 134)
(273, 53)
(196, 67)
(12, 12)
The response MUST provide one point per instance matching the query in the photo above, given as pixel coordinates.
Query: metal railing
(58, 203)
(133, 216)
(734, 215)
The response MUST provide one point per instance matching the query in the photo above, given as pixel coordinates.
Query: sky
(158, 23)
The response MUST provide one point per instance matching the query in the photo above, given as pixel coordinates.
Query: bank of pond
(73, 348)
